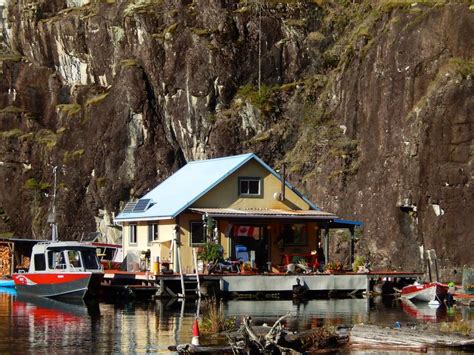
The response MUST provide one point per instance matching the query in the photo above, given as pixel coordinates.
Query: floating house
(237, 201)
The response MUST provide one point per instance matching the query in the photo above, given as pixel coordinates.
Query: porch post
(176, 243)
(352, 245)
(326, 243)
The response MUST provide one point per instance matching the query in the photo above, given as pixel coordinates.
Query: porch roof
(343, 223)
(265, 213)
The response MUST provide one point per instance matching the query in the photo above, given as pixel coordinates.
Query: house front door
(250, 242)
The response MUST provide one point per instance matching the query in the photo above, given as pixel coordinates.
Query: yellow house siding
(226, 194)
(185, 220)
(141, 237)
(225, 241)
(160, 248)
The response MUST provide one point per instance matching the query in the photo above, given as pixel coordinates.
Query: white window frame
(153, 234)
(250, 179)
(132, 235)
(191, 233)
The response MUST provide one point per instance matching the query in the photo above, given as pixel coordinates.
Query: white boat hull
(420, 293)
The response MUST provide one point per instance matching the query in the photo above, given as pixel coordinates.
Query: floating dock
(171, 285)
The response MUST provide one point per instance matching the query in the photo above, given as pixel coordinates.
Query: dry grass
(214, 320)
(461, 327)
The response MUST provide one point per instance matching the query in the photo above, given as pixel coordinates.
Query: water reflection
(303, 315)
(423, 311)
(31, 325)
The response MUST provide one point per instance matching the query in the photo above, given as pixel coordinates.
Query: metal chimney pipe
(283, 177)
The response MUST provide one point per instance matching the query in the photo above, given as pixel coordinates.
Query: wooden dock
(170, 285)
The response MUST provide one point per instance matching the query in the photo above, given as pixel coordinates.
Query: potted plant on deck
(246, 268)
(211, 254)
(334, 267)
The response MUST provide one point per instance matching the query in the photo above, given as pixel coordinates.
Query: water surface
(31, 325)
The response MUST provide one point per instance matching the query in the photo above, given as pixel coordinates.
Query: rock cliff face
(369, 105)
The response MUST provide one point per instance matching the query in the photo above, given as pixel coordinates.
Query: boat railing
(43, 243)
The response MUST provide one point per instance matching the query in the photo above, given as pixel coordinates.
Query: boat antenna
(52, 217)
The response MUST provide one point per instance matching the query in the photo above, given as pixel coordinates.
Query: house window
(133, 234)
(197, 233)
(152, 233)
(295, 234)
(249, 187)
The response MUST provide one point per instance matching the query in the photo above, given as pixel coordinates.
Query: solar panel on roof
(142, 205)
(129, 207)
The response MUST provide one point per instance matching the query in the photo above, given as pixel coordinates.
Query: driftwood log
(278, 340)
(407, 339)
(251, 339)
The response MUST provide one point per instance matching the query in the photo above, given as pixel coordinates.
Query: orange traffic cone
(195, 340)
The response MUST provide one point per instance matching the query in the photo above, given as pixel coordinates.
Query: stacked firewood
(5, 259)
(25, 263)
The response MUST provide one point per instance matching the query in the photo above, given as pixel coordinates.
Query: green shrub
(12, 109)
(13, 133)
(210, 252)
(125, 63)
(101, 181)
(358, 261)
(261, 99)
(68, 156)
(33, 184)
(96, 99)
(69, 109)
(47, 138)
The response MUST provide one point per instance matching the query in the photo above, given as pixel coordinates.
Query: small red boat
(61, 270)
(425, 292)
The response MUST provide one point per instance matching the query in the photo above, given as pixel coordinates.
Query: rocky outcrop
(370, 106)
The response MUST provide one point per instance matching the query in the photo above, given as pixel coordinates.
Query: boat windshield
(89, 258)
(74, 258)
(56, 260)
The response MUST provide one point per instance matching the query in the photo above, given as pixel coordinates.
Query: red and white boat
(61, 270)
(425, 292)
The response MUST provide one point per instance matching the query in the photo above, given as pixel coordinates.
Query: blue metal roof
(344, 223)
(190, 183)
(348, 221)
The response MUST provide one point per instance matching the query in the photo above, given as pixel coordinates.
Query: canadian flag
(247, 231)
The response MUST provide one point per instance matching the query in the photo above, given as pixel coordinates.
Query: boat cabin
(64, 256)
(238, 202)
(110, 255)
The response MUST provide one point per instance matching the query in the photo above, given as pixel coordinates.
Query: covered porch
(270, 239)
